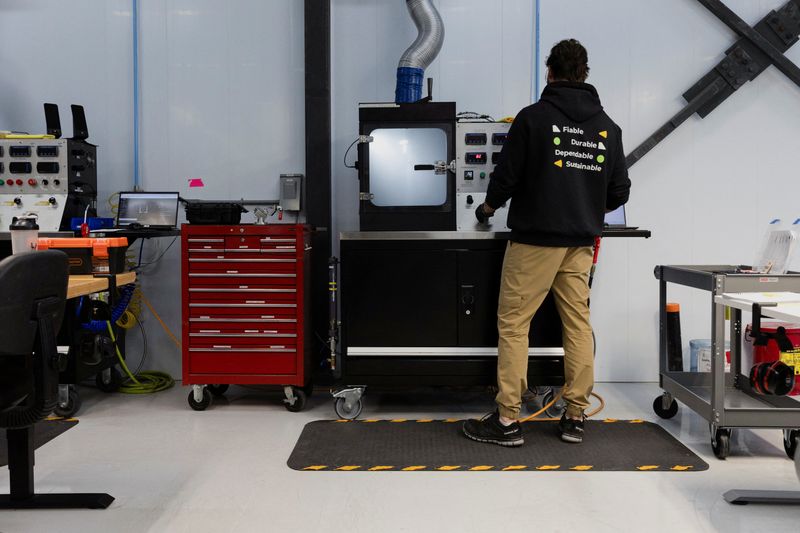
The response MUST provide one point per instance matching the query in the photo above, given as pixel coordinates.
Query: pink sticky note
(196, 182)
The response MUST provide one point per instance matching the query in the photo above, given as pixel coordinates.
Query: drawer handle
(227, 290)
(249, 303)
(244, 335)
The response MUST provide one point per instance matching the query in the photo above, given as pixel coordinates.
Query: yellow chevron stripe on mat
(425, 421)
(647, 467)
(582, 468)
(482, 468)
(681, 468)
(316, 468)
(348, 468)
(398, 421)
(514, 467)
(610, 420)
(451, 420)
(636, 421)
(371, 421)
(448, 468)
(380, 468)
(414, 468)
(548, 467)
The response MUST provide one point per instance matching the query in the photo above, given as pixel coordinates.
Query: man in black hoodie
(563, 167)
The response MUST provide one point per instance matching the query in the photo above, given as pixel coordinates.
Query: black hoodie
(563, 167)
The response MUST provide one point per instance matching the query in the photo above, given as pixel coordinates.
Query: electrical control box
(291, 191)
(478, 148)
(56, 179)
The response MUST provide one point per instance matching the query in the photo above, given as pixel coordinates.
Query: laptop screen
(616, 218)
(148, 209)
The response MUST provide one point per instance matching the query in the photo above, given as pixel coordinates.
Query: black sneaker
(489, 429)
(571, 430)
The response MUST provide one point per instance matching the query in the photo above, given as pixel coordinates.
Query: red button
(19, 182)
(32, 182)
(10, 183)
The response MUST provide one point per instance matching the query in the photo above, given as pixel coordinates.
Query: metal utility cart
(726, 400)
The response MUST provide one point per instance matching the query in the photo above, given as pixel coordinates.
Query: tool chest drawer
(244, 291)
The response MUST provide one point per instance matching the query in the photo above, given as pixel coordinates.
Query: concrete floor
(173, 469)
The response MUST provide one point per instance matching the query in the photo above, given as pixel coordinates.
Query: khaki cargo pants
(529, 273)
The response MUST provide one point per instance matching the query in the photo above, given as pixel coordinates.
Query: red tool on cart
(245, 310)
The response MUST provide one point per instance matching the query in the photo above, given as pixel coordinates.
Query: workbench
(86, 284)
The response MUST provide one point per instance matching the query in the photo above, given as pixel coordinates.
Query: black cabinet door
(394, 297)
(479, 273)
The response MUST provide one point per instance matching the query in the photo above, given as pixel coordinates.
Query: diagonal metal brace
(757, 49)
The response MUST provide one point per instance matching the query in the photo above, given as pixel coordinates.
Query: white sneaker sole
(571, 439)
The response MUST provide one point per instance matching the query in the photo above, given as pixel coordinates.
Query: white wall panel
(76, 52)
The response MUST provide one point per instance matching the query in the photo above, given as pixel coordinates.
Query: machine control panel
(477, 152)
(33, 178)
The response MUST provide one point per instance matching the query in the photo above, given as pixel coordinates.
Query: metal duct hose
(421, 53)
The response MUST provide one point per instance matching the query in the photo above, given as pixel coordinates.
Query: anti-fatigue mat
(43, 432)
(440, 445)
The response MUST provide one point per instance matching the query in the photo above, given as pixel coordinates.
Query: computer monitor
(147, 209)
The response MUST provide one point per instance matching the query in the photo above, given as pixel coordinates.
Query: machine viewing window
(401, 162)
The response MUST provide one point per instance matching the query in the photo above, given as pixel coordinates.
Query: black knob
(57, 183)
(470, 200)
(45, 183)
(18, 201)
(52, 200)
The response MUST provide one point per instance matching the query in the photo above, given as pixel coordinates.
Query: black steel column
(318, 162)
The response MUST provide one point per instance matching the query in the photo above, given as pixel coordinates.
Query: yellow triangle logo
(604, 134)
(559, 163)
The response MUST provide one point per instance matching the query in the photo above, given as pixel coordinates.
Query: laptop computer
(147, 210)
(617, 220)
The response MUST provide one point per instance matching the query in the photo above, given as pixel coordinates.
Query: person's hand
(483, 212)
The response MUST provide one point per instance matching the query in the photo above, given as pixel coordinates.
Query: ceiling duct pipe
(421, 53)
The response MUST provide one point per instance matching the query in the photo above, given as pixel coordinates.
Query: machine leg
(775, 497)
(22, 495)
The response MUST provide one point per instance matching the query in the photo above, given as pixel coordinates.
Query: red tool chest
(245, 309)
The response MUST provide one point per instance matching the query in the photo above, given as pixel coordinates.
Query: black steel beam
(317, 27)
(758, 48)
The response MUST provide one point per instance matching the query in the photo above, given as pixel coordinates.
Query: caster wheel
(345, 413)
(218, 390)
(658, 407)
(300, 399)
(791, 438)
(72, 406)
(555, 410)
(721, 442)
(113, 383)
(201, 405)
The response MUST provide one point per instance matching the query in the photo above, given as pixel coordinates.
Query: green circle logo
(557, 141)
(601, 158)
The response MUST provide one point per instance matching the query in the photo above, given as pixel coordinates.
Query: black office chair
(33, 290)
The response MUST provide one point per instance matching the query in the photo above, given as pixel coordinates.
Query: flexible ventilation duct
(421, 53)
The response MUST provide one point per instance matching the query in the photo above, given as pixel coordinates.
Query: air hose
(146, 382)
(98, 326)
(533, 417)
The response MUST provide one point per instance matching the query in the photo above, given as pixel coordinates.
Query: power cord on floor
(146, 382)
(533, 417)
